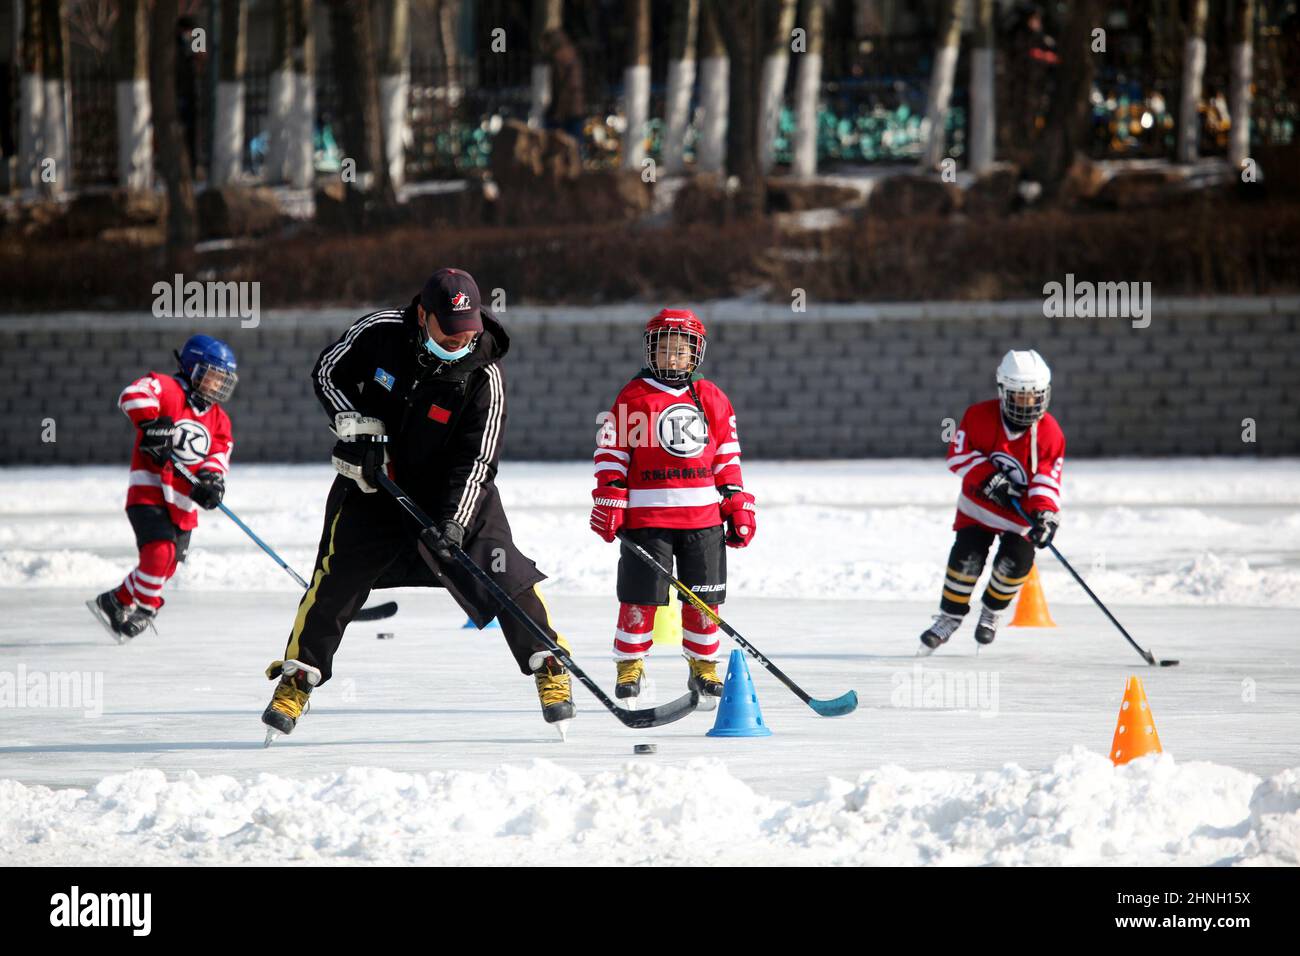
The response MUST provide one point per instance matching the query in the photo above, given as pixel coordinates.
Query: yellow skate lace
(704, 671)
(629, 672)
(552, 685)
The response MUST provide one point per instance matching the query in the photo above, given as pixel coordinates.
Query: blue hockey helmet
(209, 366)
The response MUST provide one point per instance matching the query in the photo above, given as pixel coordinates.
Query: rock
(791, 195)
(994, 192)
(902, 197)
(233, 211)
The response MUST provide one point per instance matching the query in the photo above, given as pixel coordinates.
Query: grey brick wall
(834, 382)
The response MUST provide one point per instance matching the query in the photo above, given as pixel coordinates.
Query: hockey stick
(376, 613)
(846, 703)
(646, 717)
(1146, 655)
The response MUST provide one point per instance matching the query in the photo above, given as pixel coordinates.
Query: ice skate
(290, 700)
(705, 681)
(987, 628)
(554, 690)
(937, 633)
(631, 677)
(123, 621)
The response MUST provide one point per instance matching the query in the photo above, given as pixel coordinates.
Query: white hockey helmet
(1024, 387)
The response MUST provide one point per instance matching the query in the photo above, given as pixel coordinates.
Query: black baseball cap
(451, 296)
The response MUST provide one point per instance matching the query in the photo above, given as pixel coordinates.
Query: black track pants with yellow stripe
(363, 535)
(1011, 567)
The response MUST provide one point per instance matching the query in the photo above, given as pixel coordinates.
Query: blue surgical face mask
(444, 354)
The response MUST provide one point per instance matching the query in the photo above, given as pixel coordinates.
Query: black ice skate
(987, 628)
(938, 633)
(122, 621)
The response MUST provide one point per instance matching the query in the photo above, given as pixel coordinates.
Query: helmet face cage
(1024, 406)
(667, 346)
(213, 383)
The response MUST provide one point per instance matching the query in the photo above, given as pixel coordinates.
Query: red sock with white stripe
(635, 634)
(144, 585)
(699, 633)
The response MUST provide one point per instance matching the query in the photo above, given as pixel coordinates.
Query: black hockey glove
(208, 490)
(361, 459)
(156, 438)
(1044, 528)
(1001, 490)
(442, 540)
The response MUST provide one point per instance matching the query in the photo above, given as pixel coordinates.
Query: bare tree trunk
(808, 90)
(636, 83)
(1066, 129)
(228, 131)
(776, 66)
(31, 123)
(742, 25)
(302, 139)
(547, 15)
(446, 19)
(983, 122)
(131, 65)
(1243, 55)
(714, 69)
(681, 82)
(169, 138)
(56, 132)
(939, 96)
(280, 94)
(1189, 119)
(358, 84)
(394, 89)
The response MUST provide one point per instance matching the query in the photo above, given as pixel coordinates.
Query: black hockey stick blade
(378, 612)
(636, 719)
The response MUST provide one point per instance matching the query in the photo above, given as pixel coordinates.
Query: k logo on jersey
(1010, 467)
(681, 430)
(192, 441)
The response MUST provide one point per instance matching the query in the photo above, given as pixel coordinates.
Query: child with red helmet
(668, 477)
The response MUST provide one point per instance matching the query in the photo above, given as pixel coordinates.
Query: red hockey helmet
(674, 344)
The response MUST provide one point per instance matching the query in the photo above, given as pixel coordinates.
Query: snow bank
(1081, 810)
(1196, 531)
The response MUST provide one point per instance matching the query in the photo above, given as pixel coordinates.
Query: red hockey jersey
(673, 454)
(983, 443)
(203, 442)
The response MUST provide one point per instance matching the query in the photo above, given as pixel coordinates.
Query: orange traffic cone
(1031, 606)
(668, 621)
(1135, 734)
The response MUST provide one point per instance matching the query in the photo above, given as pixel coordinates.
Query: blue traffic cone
(469, 622)
(739, 714)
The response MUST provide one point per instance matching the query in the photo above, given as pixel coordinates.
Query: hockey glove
(156, 438)
(738, 511)
(208, 490)
(1044, 527)
(609, 510)
(362, 448)
(1001, 490)
(450, 534)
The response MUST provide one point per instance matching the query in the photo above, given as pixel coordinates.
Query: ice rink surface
(430, 748)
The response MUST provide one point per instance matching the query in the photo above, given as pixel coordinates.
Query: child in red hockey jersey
(175, 415)
(668, 476)
(1007, 450)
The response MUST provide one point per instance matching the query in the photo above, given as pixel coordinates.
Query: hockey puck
(1168, 663)
(644, 748)
(385, 635)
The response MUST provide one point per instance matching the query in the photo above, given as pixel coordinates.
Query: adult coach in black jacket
(418, 391)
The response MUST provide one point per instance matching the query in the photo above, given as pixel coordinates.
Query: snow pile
(1079, 811)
